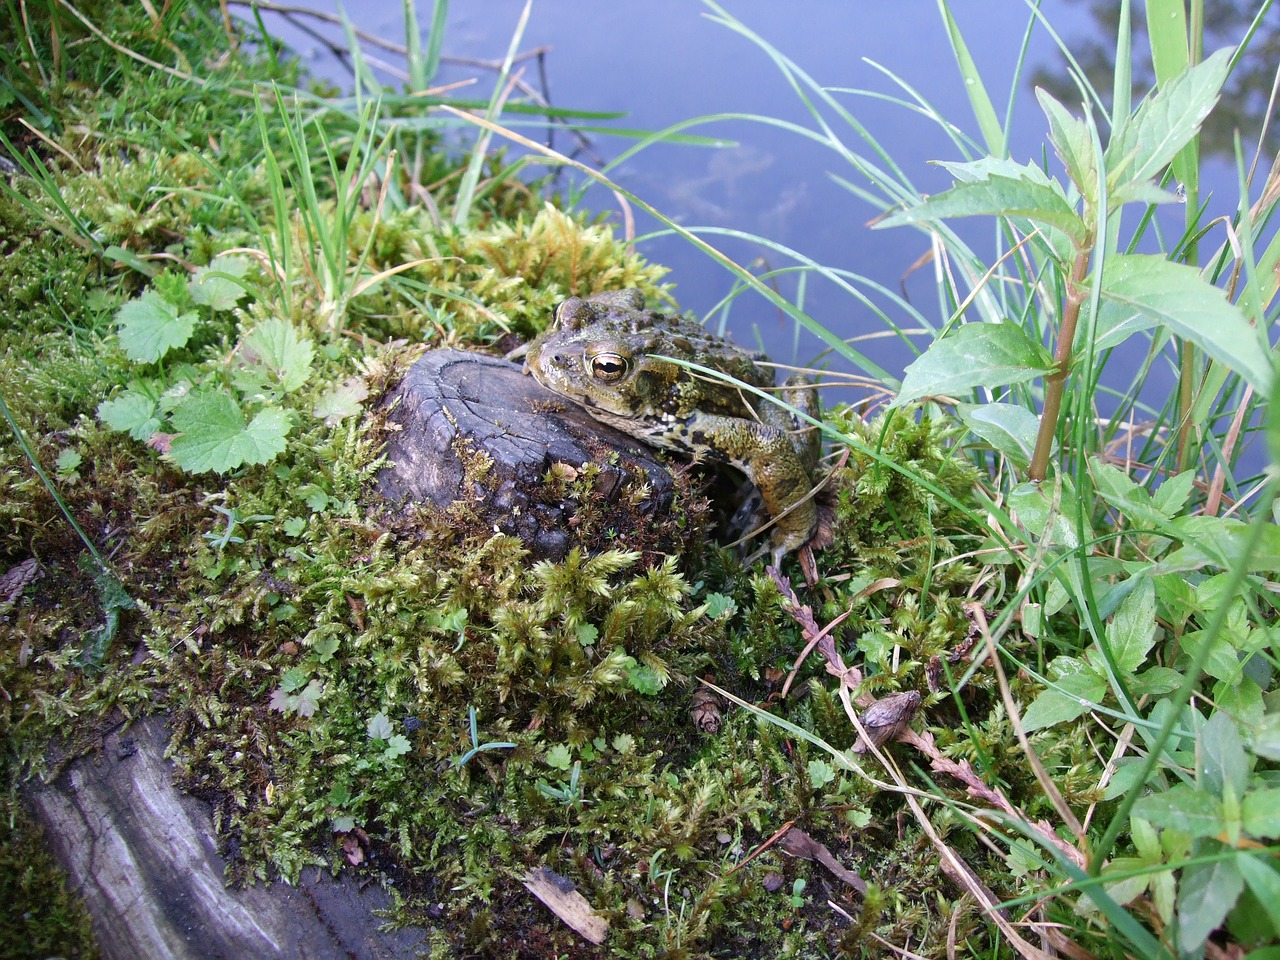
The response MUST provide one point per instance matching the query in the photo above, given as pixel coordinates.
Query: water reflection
(1245, 99)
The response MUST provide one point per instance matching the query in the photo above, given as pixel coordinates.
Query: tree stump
(142, 854)
(473, 430)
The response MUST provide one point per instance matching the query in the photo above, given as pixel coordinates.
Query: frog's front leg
(766, 454)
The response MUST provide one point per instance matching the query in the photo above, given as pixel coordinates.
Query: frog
(614, 358)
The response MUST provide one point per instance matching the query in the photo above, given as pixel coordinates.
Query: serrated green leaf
(1010, 428)
(1072, 142)
(131, 412)
(644, 679)
(276, 355)
(1132, 630)
(293, 679)
(149, 327)
(1176, 297)
(559, 757)
(1206, 895)
(213, 435)
(1183, 807)
(975, 355)
(1172, 495)
(380, 727)
(397, 746)
(1165, 121)
(220, 286)
(1024, 198)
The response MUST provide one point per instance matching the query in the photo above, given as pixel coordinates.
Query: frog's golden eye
(608, 367)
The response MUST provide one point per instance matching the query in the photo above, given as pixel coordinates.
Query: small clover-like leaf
(150, 326)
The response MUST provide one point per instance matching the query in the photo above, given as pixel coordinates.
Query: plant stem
(1055, 384)
(1189, 370)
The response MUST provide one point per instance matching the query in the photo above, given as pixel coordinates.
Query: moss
(435, 695)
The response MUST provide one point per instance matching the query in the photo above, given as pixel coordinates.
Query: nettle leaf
(131, 412)
(275, 358)
(1072, 142)
(1132, 630)
(1165, 122)
(1178, 298)
(213, 436)
(975, 355)
(1024, 196)
(1184, 808)
(150, 326)
(1010, 428)
(220, 286)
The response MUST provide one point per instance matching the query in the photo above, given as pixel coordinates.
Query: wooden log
(143, 855)
(453, 405)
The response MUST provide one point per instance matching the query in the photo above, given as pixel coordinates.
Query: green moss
(333, 673)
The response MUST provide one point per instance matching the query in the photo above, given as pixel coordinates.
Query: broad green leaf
(1262, 813)
(150, 327)
(1172, 495)
(1221, 661)
(1050, 513)
(1009, 427)
(1176, 297)
(1222, 755)
(1115, 324)
(1220, 542)
(213, 434)
(220, 286)
(1077, 689)
(1184, 808)
(380, 726)
(1263, 879)
(1073, 144)
(1165, 121)
(1042, 204)
(1155, 681)
(1266, 737)
(1132, 630)
(1206, 895)
(276, 357)
(559, 757)
(131, 412)
(975, 355)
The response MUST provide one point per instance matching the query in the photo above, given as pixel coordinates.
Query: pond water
(666, 61)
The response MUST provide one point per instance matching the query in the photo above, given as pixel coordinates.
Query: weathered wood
(452, 405)
(142, 853)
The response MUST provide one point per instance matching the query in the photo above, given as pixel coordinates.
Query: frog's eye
(608, 367)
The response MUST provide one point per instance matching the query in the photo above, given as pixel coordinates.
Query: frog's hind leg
(766, 454)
